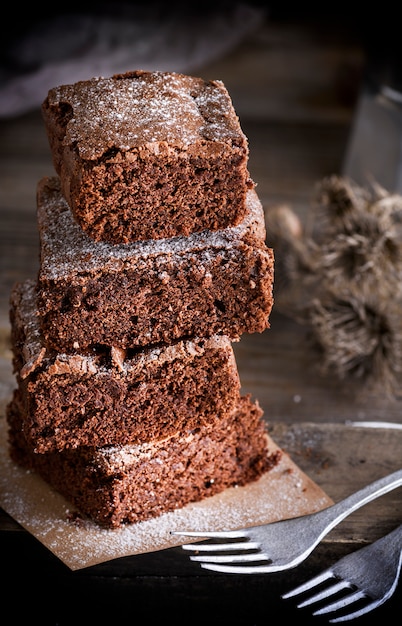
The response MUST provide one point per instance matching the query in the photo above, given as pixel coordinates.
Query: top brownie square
(148, 155)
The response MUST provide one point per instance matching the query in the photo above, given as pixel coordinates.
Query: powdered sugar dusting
(142, 108)
(284, 491)
(66, 249)
(114, 459)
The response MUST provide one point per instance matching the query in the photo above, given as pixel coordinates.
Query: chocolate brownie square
(114, 485)
(149, 292)
(148, 155)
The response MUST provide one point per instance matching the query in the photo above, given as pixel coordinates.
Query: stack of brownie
(152, 263)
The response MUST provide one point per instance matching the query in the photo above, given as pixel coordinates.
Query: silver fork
(369, 576)
(279, 545)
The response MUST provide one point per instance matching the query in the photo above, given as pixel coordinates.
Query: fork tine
(240, 569)
(341, 603)
(220, 547)
(325, 593)
(230, 558)
(215, 534)
(313, 582)
(358, 613)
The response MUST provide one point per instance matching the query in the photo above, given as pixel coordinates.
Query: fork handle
(395, 539)
(334, 514)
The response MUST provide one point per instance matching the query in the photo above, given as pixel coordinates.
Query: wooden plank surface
(294, 88)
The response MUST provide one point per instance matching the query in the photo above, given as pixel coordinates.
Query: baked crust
(148, 155)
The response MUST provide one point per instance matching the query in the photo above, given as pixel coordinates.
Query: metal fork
(369, 577)
(279, 545)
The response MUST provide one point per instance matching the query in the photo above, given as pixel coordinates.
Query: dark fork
(367, 578)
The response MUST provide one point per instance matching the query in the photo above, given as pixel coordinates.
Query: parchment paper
(283, 492)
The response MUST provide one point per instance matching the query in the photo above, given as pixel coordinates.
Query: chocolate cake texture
(153, 260)
(113, 396)
(148, 155)
(115, 485)
(149, 292)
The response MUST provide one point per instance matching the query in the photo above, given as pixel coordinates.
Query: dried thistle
(368, 258)
(344, 278)
(337, 200)
(359, 233)
(387, 202)
(359, 337)
(340, 204)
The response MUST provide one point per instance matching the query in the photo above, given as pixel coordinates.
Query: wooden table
(294, 87)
